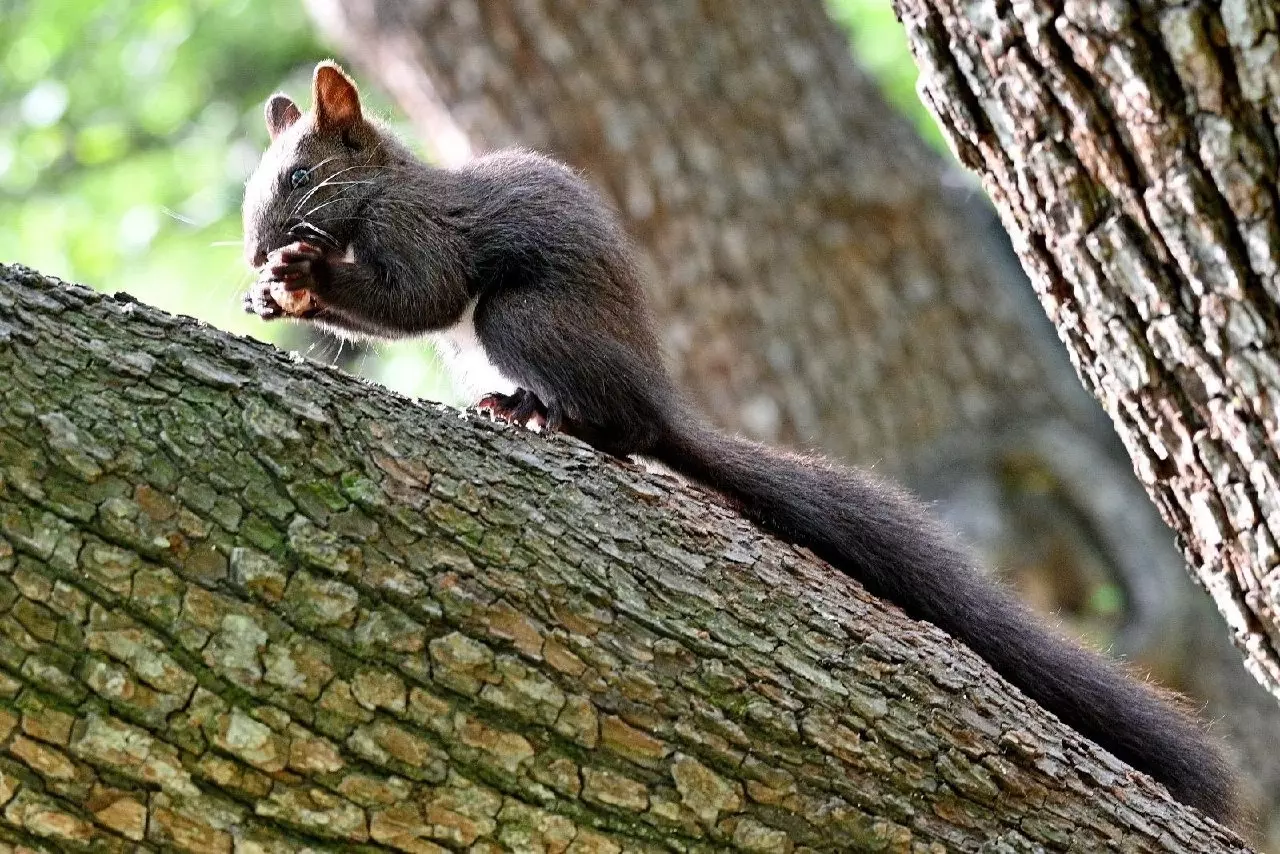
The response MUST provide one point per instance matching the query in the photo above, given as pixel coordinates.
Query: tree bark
(252, 603)
(1132, 153)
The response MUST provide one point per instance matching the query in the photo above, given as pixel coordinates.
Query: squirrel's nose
(259, 258)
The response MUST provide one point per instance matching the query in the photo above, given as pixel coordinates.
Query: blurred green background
(128, 128)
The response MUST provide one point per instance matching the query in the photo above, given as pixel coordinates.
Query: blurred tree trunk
(1131, 150)
(823, 278)
(251, 602)
(818, 269)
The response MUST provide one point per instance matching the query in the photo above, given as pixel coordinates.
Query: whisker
(186, 220)
(322, 205)
(324, 235)
(313, 168)
(368, 164)
(238, 292)
(323, 162)
(326, 183)
(340, 194)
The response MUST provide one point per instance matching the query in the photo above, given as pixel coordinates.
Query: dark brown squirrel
(524, 275)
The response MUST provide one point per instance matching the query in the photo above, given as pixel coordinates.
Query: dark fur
(560, 310)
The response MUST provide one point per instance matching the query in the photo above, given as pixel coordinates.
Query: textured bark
(1131, 150)
(250, 601)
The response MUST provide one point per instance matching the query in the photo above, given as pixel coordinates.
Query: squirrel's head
(318, 172)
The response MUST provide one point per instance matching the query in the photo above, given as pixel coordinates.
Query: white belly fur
(466, 360)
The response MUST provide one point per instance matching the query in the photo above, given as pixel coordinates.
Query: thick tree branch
(1131, 150)
(249, 599)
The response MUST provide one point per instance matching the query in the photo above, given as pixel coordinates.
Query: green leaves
(126, 132)
(880, 46)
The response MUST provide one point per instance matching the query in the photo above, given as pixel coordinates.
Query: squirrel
(524, 276)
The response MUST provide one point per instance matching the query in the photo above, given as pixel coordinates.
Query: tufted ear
(334, 99)
(281, 112)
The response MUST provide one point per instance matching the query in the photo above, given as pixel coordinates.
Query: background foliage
(128, 127)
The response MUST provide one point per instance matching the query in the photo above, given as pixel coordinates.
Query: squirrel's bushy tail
(885, 540)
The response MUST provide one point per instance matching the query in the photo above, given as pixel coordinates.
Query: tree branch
(247, 597)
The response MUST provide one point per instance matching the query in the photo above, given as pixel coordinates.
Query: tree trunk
(251, 602)
(1132, 153)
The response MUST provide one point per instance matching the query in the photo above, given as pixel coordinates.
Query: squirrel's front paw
(298, 267)
(287, 283)
(258, 300)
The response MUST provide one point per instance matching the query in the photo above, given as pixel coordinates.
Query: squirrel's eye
(298, 177)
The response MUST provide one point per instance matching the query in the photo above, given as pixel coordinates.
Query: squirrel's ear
(335, 99)
(281, 112)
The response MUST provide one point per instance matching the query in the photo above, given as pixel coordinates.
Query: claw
(295, 266)
(492, 405)
(521, 407)
(258, 300)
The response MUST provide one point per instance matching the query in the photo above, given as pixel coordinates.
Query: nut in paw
(296, 302)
